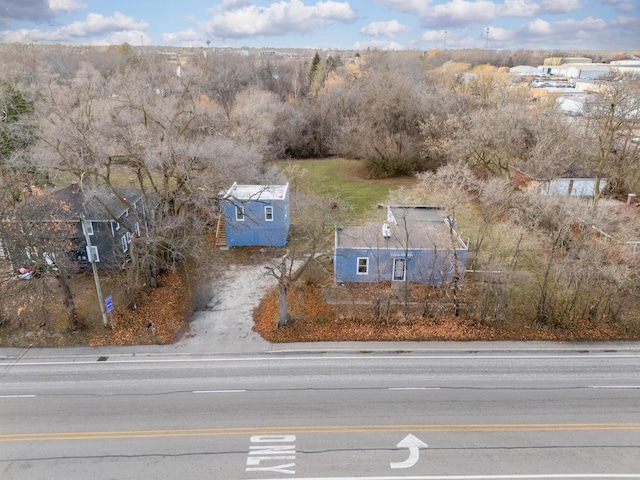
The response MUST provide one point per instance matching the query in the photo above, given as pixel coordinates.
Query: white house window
(3, 255)
(87, 227)
(128, 235)
(116, 226)
(363, 266)
(240, 214)
(93, 254)
(268, 214)
(124, 243)
(136, 227)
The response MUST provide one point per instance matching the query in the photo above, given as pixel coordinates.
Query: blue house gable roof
(414, 243)
(256, 215)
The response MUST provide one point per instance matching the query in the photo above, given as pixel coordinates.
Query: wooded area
(184, 127)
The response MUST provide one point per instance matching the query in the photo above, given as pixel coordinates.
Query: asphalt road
(320, 416)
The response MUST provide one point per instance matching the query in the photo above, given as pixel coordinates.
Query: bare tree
(313, 220)
(158, 136)
(613, 117)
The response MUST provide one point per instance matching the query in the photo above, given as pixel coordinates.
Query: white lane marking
(414, 388)
(632, 387)
(414, 445)
(480, 477)
(270, 453)
(14, 363)
(219, 391)
(17, 396)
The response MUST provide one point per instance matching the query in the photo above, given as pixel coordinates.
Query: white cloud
(461, 12)
(559, 6)
(519, 8)
(96, 29)
(454, 39)
(186, 38)
(593, 24)
(623, 6)
(568, 33)
(378, 45)
(529, 8)
(538, 27)
(232, 4)
(279, 18)
(98, 24)
(632, 23)
(411, 6)
(384, 29)
(66, 5)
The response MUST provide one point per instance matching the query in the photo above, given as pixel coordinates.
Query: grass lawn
(346, 182)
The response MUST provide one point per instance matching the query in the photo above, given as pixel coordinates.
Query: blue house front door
(399, 269)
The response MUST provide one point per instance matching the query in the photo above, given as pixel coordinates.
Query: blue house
(56, 224)
(415, 244)
(254, 215)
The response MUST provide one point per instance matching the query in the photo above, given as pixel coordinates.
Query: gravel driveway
(226, 325)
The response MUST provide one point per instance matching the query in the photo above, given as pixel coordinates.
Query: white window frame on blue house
(268, 213)
(362, 263)
(239, 213)
(124, 243)
(93, 254)
(87, 227)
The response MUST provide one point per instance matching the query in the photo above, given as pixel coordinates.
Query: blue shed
(255, 215)
(415, 244)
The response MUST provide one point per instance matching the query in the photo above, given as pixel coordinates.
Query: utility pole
(96, 278)
(445, 39)
(486, 42)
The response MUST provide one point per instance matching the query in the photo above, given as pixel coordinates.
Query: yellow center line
(318, 429)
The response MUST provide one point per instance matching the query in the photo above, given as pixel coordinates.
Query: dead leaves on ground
(159, 319)
(315, 320)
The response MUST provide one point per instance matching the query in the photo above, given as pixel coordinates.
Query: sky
(573, 25)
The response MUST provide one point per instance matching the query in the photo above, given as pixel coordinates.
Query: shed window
(363, 266)
(240, 214)
(87, 227)
(268, 214)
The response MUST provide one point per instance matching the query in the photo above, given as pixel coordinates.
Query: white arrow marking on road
(414, 445)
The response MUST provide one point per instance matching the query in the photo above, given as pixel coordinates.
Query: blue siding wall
(430, 267)
(255, 229)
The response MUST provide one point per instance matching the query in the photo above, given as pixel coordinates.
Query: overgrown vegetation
(107, 119)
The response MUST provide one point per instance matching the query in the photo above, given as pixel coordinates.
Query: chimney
(75, 187)
(631, 199)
